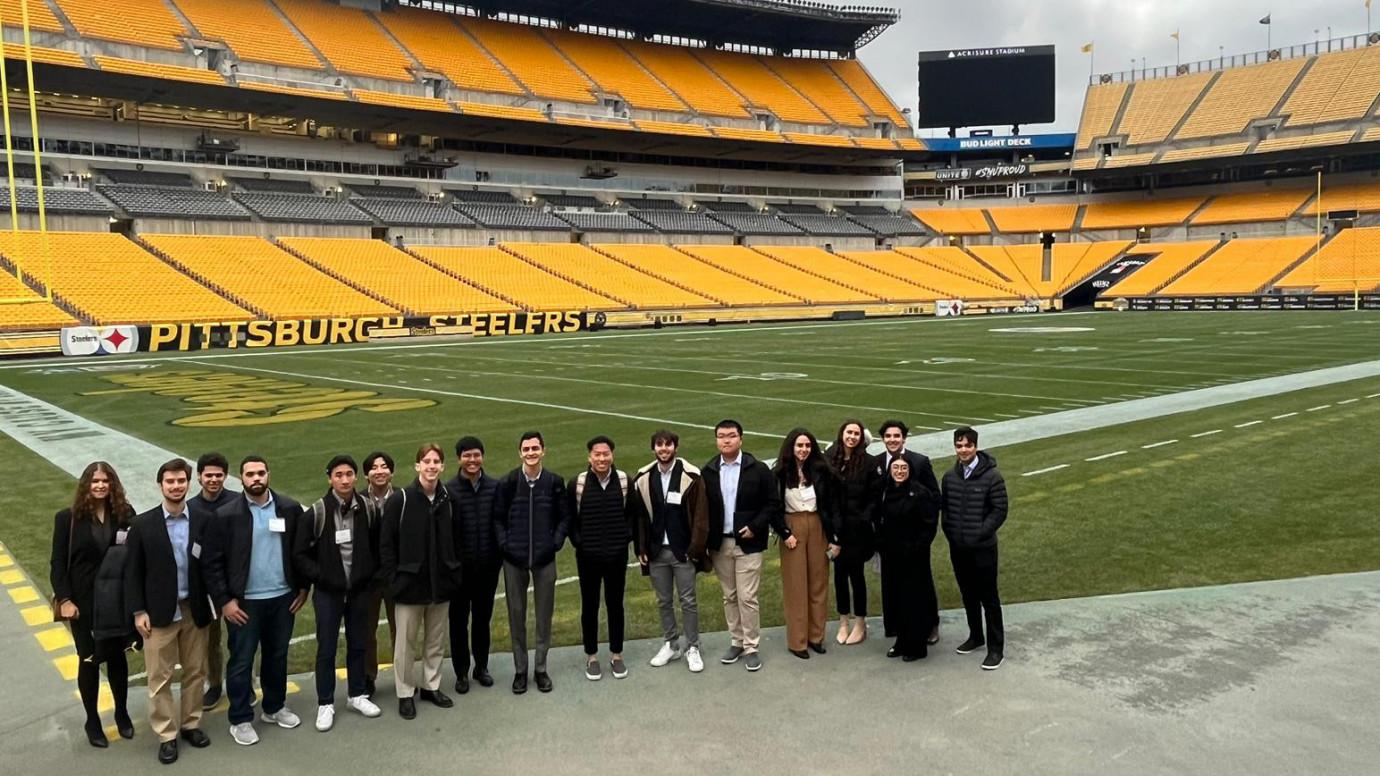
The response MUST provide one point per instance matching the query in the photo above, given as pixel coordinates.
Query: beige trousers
(739, 575)
(433, 619)
(181, 642)
(805, 581)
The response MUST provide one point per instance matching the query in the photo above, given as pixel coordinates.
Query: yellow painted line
(104, 702)
(12, 577)
(293, 688)
(23, 594)
(67, 666)
(341, 673)
(36, 615)
(6, 560)
(54, 639)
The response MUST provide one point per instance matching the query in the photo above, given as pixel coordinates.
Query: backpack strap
(623, 483)
(580, 488)
(318, 509)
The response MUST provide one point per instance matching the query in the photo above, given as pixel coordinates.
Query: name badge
(196, 550)
(807, 492)
(277, 525)
(121, 535)
(342, 536)
(673, 497)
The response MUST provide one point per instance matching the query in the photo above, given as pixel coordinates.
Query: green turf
(1272, 500)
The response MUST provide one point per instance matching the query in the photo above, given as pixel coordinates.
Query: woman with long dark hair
(907, 517)
(805, 526)
(83, 533)
(857, 491)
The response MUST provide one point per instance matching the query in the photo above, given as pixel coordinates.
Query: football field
(1141, 451)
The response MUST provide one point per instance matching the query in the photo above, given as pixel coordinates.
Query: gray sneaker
(753, 662)
(620, 669)
(592, 670)
(732, 655)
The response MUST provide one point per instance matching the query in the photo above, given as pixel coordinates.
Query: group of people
(430, 554)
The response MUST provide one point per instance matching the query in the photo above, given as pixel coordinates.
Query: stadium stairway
(881, 270)
(682, 286)
(991, 269)
(1308, 254)
(805, 266)
(516, 253)
(180, 267)
(688, 250)
(337, 277)
(467, 281)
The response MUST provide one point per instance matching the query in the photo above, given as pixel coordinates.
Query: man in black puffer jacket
(600, 531)
(472, 609)
(974, 506)
(531, 520)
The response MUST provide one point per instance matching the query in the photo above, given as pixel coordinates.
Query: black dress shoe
(407, 708)
(167, 752)
(914, 656)
(462, 684)
(211, 698)
(817, 648)
(196, 737)
(543, 681)
(95, 735)
(803, 654)
(482, 676)
(519, 684)
(437, 697)
(893, 652)
(972, 644)
(124, 725)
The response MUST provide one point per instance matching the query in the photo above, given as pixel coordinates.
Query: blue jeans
(331, 608)
(269, 627)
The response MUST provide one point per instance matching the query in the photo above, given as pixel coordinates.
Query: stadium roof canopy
(779, 25)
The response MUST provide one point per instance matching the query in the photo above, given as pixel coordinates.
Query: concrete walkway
(1260, 678)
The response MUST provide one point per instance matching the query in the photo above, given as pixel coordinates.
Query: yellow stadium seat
(141, 22)
(509, 277)
(1204, 152)
(615, 71)
(583, 265)
(266, 277)
(1268, 205)
(1240, 267)
(1100, 106)
(410, 101)
(349, 38)
(1362, 197)
(949, 270)
(745, 262)
(112, 280)
(41, 17)
(295, 91)
(50, 56)
(156, 70)
(679, 267)
(405, 282)
(251, 29)
(1240, 95)
(688, 77)
(1157, 105)
(1033, 218)
(1164, 261)
(1133, 215)
(952, 220)
(816, 80)
(38, 313)
(531, 58)
(1339, 86)
(763, 88)
(501, 111)
(1071, 264)
(852, 73)
(851, 274)
(1340, 137)
(1348, 263)
(441, 46)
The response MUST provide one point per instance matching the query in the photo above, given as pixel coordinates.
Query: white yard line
(1202, 434)
(1248, 424)
(1319, 407)
(1282, 417)
(1154, 445)
(1347, 401)
(1104, 456)
(1045, 470)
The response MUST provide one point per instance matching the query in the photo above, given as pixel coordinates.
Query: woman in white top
(807, 490)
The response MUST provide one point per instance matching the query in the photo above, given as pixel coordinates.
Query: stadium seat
(688, 77)
(1349, 262)
(167, 202)
(949, 270)
(756, 223)
(1164, 261)
(851, 274)
(349, 38)
(409, 101)
(302, 208)
(36, 314)
(1157, 105)
(1071, 264)
(55, 200)
(440, 45)
(512, 216)
(265, 277)
(41, 17)
(1240, 267)
(112, 280)
(1138, 213)
(52, 56)
(603, 222)
(140, 22)
(1339, 86)
(763, 88)
(852, 73)
(680, 268)
(747, 262)
(405, 282)
(531, 58)
(615, 71)
(508, 277)
(415, 212)
(815, 79)
(1025, 219)
(952, 220)
(1240, 95)
(1100, 106)
(584, 265)
(1361, 197)
(252, 29)
(1243, 207)
(160, 71)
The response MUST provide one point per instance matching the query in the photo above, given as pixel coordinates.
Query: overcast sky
(1121, 30)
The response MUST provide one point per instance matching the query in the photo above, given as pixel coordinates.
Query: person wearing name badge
(165, 588)
(600, 532)
(251, 578)
(336, 552)
(211, 471)
(418, 559)
(83, 535)
(670, 519)
(378, 471)
(805, 530)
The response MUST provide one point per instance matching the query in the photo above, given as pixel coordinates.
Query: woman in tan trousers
(808, 491)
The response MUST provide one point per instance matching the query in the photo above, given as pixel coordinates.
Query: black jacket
(230, 542)
(826, 487)
(79, 547)
(907, 518)
(599, 523)
(417, 546)
(921, 470)
(151, 569)
(110, 615)
(853, 521)
(317, 557)
(532, 521)
(976, 507)
(473, 509)
(758, 503)
(227, 497)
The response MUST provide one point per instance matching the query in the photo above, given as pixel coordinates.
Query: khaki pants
(433, 618)
(181, 642)
(739, 575)
(805, 581)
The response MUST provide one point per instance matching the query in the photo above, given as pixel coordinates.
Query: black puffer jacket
(531, 521)
(473, 508)
(111, 618)
(974, 508)
(907, 518)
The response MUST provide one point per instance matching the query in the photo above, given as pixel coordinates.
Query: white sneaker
(244, 734)
(666, 654)
(364, 706)
(283, 719)
(325, 718)
(693, 659)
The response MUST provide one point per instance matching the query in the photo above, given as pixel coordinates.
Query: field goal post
(1341, 272)
(42, 274)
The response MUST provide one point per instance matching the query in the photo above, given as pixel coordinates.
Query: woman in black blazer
(82, 534)
(907, 517)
